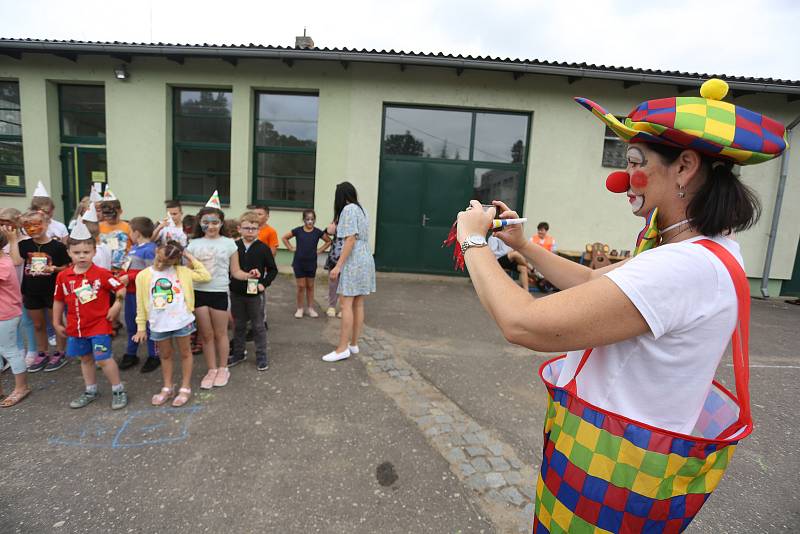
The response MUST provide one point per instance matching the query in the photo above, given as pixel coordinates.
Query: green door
(792, 287)
(418, 203)
(80, 166)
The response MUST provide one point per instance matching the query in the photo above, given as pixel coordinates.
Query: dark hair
(3, 240)
(198, 231)
(143, 225)
(174, 204)
(723, 203)
(258, 207)
(173, 250)
(312, 212)
(345, 194)
(73, 242)
(188, 221)
(543, 225)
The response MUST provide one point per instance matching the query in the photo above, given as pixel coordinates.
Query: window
(82, 114)
(285, 152)
(201, 144)
(12, 171)
(614, 150)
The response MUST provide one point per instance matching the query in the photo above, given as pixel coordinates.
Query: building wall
(564, 182)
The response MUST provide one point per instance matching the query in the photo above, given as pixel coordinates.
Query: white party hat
(90, 215)
(40, 191)
(170, 222)
(94, 194)
(109, 195)
(213, 202)
(80, 231)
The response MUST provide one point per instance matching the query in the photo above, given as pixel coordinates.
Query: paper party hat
(94, 194)
(90, 215)
(80, 231)
(213, 202)
(109, 195)
(40, 191)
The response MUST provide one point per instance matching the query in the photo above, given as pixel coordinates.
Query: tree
(517, 151)
(403, 145)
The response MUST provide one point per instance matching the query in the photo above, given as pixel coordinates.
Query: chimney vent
(303, 41)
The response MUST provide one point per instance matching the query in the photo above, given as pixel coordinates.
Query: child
(80, 211)
(10, 317)
(188, 223)
(141, 256)
(219, 255)
(116, 234)
(42, 202)
(305, 259)
(102, 254)
(84, 289)
(170, 228)
(165, 302)
(26, 336)
(43, 258)
(266, 233)
(330, 263)
(246, 302)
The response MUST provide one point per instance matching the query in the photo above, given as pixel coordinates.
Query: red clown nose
(618, 182)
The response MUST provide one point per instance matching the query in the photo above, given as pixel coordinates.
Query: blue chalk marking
(135, 437)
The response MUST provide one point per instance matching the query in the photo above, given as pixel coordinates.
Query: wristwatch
(475, 240)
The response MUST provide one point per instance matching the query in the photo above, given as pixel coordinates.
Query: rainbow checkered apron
(602, 472)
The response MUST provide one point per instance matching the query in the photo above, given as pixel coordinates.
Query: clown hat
(109, 195)
(213, 202)
(94, 194)
(80, 231)
(707, 124)
(40, 191)
(90, 215)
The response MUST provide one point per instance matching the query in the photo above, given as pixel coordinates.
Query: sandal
(14, 398)
(163, 396)
(182, 398)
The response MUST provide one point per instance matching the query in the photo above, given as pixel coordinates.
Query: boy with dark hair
(170, 228)
(246, 302)
(141, 256)
(84, 290)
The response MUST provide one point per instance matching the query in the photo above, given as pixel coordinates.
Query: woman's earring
(681, 191)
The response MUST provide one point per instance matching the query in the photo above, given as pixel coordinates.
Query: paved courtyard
(434, 427)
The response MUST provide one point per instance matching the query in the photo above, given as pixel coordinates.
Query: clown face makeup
(34, 227)
(638, 178)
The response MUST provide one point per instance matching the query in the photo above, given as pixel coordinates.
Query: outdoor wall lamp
(121, 72)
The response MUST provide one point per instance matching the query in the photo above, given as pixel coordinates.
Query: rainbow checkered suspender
(602, 472)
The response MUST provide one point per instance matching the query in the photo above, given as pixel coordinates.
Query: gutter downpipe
(776, 212)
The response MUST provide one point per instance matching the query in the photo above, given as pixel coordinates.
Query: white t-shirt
(102, 256)
(498, 248)
(56, 230)
(215, 254)
(166, 304)
(662, 378)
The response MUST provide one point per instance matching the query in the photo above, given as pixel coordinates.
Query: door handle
(425, 219)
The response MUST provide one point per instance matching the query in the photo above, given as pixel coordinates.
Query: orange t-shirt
(547, 242)
(269, 236)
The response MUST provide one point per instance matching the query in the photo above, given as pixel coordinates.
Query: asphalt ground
(297, 448)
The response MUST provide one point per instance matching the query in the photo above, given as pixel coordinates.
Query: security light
(121, 72)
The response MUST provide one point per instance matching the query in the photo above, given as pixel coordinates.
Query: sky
(759, 38)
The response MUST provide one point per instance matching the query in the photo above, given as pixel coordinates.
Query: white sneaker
(299, 313)
(312, 312)
(353, 349)
(334, 356)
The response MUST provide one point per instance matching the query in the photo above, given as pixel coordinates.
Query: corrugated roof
(632, 75)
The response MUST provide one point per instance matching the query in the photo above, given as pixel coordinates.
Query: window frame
(81, 139)
(197, 145)
(266, 149)
(14, 190)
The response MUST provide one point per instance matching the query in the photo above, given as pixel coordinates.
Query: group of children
(176, 282)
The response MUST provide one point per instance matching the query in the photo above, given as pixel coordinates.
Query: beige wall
(565, 181)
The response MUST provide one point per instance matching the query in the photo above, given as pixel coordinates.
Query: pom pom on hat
(714, 89)
(80, 232)
(90, 215)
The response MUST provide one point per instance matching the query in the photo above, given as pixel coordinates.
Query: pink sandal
(183, 397)
(163, 396)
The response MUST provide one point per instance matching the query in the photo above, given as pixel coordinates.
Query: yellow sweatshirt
(186, 276)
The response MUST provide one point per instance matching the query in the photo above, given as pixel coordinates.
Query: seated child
(84, 290)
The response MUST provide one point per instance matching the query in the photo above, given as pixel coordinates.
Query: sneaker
(128, 361)
(39, 362)
(236, 360)
(330, 312)
(208, 381)
(150, 364)
(223, 375)
(84, 400)
(312, 313)
(353, 349)
(339, 315)
(262, 365)
(57, 361)
(119, 399)
(299, 313)
(334, 356)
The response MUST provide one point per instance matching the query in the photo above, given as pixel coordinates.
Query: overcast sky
(735, 37)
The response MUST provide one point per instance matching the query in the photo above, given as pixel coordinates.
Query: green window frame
(201, 144)
(12, 167)
(95, 110)
(295, 157)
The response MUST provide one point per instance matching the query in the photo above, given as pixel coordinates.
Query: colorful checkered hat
(706, 124)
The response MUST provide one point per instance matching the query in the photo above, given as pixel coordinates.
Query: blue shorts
(187, 330)
(97, 346)
(305, 269)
